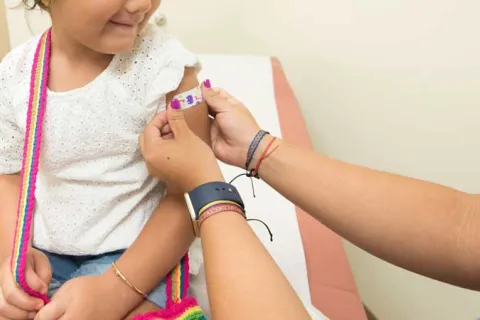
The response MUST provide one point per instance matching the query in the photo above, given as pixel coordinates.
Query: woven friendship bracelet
(219, 208)
(266, 153)
(254, 146)
(209, 205)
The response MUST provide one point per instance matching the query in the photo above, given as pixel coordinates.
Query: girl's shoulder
(156, 63)
(16, 65)
(155, 42)
(155, 48)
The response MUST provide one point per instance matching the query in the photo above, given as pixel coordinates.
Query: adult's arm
(420, 226)
(243, 280)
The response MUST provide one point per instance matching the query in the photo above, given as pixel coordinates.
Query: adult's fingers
(168, 136)
(216, 99)
(176, 118)
(155, 126)
(167, 133)
(166, 130)
(227, 96)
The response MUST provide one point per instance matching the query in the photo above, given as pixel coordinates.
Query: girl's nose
(138, 6)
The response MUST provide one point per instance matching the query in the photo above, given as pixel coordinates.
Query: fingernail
(207, 84)
(175, 104)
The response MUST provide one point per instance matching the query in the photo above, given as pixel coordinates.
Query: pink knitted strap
(31, 155)
(179, 305)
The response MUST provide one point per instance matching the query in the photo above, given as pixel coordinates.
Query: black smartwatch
(208, 193)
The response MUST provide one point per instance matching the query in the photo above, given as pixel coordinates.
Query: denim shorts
(65, 268)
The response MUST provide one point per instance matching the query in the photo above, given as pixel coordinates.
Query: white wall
(4, 38)
(388, 84)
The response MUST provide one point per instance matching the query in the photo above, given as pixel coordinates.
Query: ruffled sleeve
(169, 60)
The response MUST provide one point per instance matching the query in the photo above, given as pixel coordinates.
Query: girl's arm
(11, 142)
(168, 234)
(9, 190)
(160, 246)
(196, 117)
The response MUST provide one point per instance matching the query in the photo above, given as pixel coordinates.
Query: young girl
(110, 73)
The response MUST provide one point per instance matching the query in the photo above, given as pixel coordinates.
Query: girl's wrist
(119, 292)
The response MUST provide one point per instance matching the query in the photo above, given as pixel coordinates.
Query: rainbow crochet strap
(179, 305)
(31, 154)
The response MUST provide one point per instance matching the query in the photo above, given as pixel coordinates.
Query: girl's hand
(77, 299)
(181, 159)
(100, 297)
(16, 304)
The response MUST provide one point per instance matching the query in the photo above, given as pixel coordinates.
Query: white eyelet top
(94, 194)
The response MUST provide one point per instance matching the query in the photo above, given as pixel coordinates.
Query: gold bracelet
(119, 274)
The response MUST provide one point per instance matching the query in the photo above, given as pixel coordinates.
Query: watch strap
(212, 192)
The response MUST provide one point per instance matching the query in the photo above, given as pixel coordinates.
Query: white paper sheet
(250, 79)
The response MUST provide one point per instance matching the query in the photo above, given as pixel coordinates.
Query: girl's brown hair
(39, 3)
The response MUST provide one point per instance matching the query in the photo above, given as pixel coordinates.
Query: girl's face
(106, 26)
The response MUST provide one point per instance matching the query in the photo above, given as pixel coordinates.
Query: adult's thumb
(176, 118)
(215, 98)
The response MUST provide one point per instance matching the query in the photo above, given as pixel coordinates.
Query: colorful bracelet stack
(253, 149)
(216, 207)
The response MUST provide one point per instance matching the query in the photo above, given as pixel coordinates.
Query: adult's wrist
(204, 176)
(268, 142)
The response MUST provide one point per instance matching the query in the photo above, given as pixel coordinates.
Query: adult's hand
(233, 128)
(179, 157)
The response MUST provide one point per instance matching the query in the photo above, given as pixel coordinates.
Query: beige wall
(4, 40)
(388, 84)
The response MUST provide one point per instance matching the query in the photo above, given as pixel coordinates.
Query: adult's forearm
(9, 190)
(243, 280)
(421, 226)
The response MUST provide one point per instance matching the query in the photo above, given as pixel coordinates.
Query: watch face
(192, 213)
